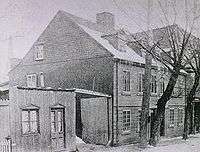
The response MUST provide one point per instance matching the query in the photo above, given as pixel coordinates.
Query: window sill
(126, 93)
(154, 94)
(128, 132)
(39, 59)
(30, 134)
(140, 93)
(180, 124)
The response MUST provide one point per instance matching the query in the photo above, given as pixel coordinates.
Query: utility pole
(147, 82)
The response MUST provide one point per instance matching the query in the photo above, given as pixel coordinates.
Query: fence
(5, 146)
(4, 126)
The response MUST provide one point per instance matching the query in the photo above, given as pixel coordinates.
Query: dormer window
(121, 46)
(39, 52)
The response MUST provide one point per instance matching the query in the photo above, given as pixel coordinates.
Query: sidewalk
(165, 145)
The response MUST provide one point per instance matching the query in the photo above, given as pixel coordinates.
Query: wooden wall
(44, 100)
(94, 120)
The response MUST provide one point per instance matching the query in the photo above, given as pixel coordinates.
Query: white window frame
(154, 85)
(140, 82)
(162, 85)
(39, 52)
(178, 119)
(42, 83)
(31, 83)
(126, 81)
(171, 123)
(138, 121)
(29, 121)
(124, 127)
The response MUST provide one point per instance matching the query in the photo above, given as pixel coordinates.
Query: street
(165, 145)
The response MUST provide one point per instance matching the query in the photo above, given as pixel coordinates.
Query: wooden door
(57, 129)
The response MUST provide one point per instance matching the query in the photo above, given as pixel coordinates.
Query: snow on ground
(179, 145)
(165, 145)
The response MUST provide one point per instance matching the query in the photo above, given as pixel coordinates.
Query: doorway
(57, 129)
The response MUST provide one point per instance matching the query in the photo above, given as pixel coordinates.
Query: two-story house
(73, 52)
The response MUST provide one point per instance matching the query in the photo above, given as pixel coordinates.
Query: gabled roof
(96, 32)
(128, 54)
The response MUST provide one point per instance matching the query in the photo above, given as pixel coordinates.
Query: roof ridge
(85, 22)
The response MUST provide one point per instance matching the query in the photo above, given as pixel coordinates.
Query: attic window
(39, 52)
(121, 46)
(31, 80)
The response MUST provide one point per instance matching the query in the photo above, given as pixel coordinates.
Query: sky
(24, 20)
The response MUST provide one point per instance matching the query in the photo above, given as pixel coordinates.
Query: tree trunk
(160, 112)
(145, 103)
(190, 97)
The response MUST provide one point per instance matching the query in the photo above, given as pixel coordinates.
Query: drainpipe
(116, 98)
(108, 117)
(185, 130)
(112, 120)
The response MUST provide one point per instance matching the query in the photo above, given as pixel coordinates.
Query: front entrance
(57, 129)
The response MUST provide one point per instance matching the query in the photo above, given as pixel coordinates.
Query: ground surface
(165, 145)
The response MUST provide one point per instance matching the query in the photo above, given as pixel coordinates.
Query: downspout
(108, 117)
(117, 106)
(112, 119)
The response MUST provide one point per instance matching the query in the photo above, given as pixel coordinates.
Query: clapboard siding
(95, 120)
(44, 100)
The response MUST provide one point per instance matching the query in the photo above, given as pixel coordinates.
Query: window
(57, 120)
(32, 80)
(41, 79)
(138, 121)
(126, 120)
(162, 86)
(180, 116)
(30, 121)
(126, 80)
(140, 82)
(39, 52)
(153, 84)
(171, 117)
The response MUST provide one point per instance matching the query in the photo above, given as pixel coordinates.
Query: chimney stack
(106, 20)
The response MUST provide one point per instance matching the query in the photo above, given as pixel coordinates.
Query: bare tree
(193, 60)
(170, 44)
(177, 40)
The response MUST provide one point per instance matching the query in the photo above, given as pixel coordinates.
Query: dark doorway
(79, 126)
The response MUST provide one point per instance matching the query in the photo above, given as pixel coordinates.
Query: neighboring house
(4, 118)
(4, 86)
(76, 53)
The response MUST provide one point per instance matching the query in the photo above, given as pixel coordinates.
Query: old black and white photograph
(99, 75)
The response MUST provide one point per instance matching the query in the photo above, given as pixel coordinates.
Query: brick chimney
(105, 19)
